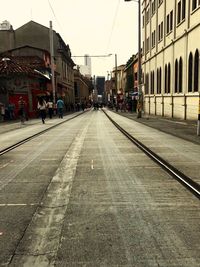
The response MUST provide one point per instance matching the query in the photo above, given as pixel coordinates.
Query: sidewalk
(184, 129)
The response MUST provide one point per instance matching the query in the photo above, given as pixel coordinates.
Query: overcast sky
(94, 27)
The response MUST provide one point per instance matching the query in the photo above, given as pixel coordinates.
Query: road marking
(17, 204)
(178, 122)
(3, 166)
(92, 164)
(6, 164)
(47, 159)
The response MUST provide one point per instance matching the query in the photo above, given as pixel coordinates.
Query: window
(169, 78)
(179, 13)
(180, 75)
(194, 4)
(160, 85)
(153, 39)
(160, 31)
(166, 79)
(147, 16)
(159, 80)
(190, 72)
(152, 82)
(153, 7)
(147, 45)
(171, 21)
(167, 23)
(183, 9)
(176, 77)
(196, 71)
(147, 84)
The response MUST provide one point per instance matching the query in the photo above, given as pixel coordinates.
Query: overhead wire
(54, 14)
(113, 24)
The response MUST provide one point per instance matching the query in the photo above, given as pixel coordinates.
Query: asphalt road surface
(83, 195)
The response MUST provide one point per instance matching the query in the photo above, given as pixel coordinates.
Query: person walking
(60, 106)
(2, 111)
(21, 112)
(42, 108)
(50, 108)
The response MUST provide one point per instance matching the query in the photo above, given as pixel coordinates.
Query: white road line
(4, 165)
(92, 164)
(50, 216)
(17, 204)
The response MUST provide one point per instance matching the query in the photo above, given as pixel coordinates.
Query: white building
(171, 47)
(86, 69)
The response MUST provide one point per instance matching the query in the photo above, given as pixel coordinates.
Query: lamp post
(52, 63)
(139, 73)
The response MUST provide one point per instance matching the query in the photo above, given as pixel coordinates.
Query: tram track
(27, 139)
(185, 180)
(174, 172)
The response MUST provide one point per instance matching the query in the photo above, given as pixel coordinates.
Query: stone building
(171, 33)
(82, 88)
(35, 35)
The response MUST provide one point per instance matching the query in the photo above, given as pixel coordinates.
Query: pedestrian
(50, 108)
(42, 108)
(21, 111)
(2, 110)
(60, 106)
(11, 108)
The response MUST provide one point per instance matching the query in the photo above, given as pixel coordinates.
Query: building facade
(36, 35)
(82, 88)
(171, 30)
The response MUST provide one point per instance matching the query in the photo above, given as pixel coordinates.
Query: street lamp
(139, 73)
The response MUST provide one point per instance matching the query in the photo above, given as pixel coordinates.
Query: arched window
(176, 77)
(196, 71)
(165, 78)
(190, 71)
(152, 82)
(180, 75)
(169, 78)
(147, 84)
(160, 87)
(158, 81)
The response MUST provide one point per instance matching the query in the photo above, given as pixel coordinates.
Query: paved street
(83, 195)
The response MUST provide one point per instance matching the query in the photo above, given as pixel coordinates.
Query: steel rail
(178, 175)
(9, 148)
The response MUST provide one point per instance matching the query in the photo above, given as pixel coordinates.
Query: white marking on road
(92, 164)
(47, 159)
(17, 204)
(178, 122)
(49, 217)
(4, 165)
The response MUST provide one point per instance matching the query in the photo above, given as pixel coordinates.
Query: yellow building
(171, 47)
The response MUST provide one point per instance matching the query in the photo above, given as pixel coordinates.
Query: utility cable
(53, 12)
(113, 24)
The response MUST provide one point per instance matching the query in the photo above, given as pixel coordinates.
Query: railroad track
(178, 175)
(25, 140)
